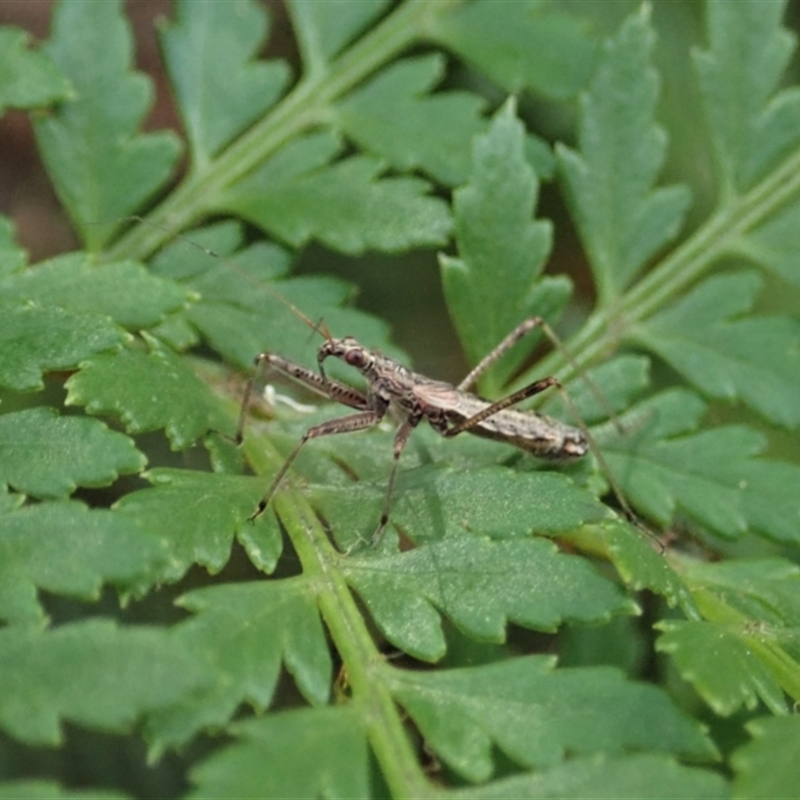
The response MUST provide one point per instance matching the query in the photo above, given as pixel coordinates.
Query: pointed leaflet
(246, 307)
(27, 78)
(638, 564)
(347, 205)
(748, 648)
(775, 244)
(323, 29)
(36, 339)
(751, 126)
(197, 514)
(124, 290)
(481, 585)
(537, 714)
(220, 88)
(622, 220)
(714, 476)
(12, 256)
(637, 777)
(67, 549)
(149, 391)
(101, 166)
(494, 283)
(720, 666)
(50, 456)
(766, 767)
(93, 673)
(433, 502)
(396, 116)
(756, 359)
(38, 789)
(244, 632)
(320, 752)
(520, 44)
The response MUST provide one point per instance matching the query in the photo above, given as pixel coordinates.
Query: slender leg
(354, 422)
(400, 440)
(518, 333)
(515, 397)
(334, 390)
(521, 330)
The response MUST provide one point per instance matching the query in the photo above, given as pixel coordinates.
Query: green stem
(307, 106)
(608, 326)
(345, 621)
(362, 660)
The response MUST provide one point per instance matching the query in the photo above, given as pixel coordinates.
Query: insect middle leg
(518, 333)
(340, 392)
(349, 424)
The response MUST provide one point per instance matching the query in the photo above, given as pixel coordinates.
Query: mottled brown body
(412, 398)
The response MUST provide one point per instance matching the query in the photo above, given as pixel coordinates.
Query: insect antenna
(629, 513)
(316, 327)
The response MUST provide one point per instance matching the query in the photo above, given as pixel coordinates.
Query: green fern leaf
(46, 455)
(117, 169)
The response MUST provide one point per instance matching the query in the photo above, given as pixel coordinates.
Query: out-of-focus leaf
(715, 476)
(766, 767)
(622, 220)
(244, 632)
(753, 615)
(27, 78)
(92, 672)
(395, 116)
(12, 256)
(775, 244)
(481, 585)
(719, 664)
(726, 355)
(49, 790)
(495, 282)
(102, 168)
(46, 455)
(219, 87)
(462, 713)
(36, 339)
(68, 549)
(148, 391)
(637, 777)
(246, 307)
(346, 205)
(306, 753)
(124, 291)
(609, 387)
(322, 29)
(751, 125)
(520, 44)
(638, 561)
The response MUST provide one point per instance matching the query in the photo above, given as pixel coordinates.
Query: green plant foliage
(27, 79)
(621, 151)
(461, 712)
(305, 656)
(765, 767)
(96, 136)
(46, 455)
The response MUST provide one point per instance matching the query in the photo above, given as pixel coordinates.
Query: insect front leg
(340, 392)
(400, 441)
(349, 424)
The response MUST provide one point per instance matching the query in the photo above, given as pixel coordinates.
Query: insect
(411, 398)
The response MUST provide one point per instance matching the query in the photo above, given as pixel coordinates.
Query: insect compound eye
(355, 357)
